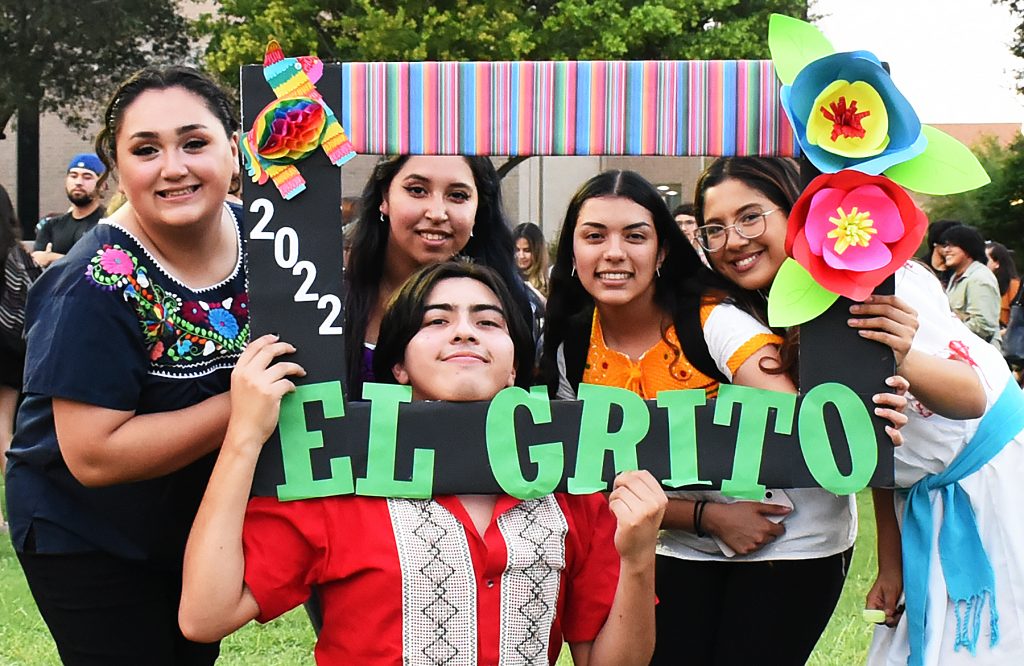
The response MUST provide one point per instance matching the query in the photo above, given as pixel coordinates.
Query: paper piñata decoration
(292, 126)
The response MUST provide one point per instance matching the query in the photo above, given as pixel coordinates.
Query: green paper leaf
(795, 297)
(945, 167)
(794, 45)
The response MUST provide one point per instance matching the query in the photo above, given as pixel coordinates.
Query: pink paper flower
(851, 231)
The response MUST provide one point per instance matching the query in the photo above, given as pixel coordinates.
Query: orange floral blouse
(660, 368)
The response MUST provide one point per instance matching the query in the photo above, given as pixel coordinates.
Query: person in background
(933, 252)
(19, 272)
(687, 222)
(1000, 262)
(973, 291)
(348, 233)
(83, 184)
(532, 257)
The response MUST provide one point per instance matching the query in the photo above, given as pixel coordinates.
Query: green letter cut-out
(297, 442)
(754, 405)
(860, 436)
(682, 435)
(595, 439)
(502, 449)
(380, 478)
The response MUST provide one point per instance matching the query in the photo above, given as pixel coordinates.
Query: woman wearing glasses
(963, 591)
(631, 305)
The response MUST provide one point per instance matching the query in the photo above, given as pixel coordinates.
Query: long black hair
(1006, 270)
(403, 317)
(679, 289)
(491, 245)
(537, 273)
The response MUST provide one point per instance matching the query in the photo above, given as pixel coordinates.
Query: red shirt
(413, 577)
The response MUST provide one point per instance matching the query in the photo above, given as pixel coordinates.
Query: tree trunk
(28, 167)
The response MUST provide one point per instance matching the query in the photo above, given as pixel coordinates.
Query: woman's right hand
(885, 595)
(257, 386)
(886, 319)
(744, 526)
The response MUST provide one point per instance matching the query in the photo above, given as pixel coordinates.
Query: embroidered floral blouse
(662, 367)
(109, 326)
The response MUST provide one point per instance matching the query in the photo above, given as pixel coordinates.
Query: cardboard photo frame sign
(521, 443)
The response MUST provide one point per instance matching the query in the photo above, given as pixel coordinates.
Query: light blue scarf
(965, 565)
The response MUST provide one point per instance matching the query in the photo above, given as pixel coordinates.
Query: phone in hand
(771, 496)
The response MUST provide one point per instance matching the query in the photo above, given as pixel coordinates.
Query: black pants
(105, 611)
(744, 613)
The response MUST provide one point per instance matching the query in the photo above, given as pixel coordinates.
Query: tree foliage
(997, 209)
(66, 56)
(389, 30)
(1017, 48)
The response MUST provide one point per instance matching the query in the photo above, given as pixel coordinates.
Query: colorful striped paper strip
(709, 107)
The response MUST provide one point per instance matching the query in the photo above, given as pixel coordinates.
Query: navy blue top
(108, 326)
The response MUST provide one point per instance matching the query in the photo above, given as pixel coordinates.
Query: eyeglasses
(713, 237)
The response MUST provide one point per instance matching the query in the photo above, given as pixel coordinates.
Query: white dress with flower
(996, 492)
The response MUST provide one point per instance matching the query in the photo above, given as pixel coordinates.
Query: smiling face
(431, 206)
(174, 159)
(750, 263)
(524, 255)
(955, 257)
(616, 250)
(463, 350)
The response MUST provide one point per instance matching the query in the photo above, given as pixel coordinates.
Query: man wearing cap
(56, 235)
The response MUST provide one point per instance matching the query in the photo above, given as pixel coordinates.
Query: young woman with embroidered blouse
(633, 306)
(460, 579)
(131, 341)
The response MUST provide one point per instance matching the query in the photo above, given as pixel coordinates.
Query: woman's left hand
(886, 319)
(892, 407)
(638, 504)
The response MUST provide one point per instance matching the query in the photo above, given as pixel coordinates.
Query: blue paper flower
(848, 114)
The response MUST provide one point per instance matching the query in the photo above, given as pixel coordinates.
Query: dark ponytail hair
(679, 290)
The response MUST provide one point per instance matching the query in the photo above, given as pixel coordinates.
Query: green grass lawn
(289, 639)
